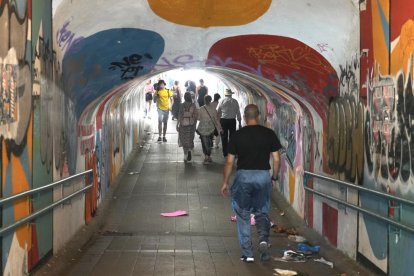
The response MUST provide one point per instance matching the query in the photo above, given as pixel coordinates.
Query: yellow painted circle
(206, 13)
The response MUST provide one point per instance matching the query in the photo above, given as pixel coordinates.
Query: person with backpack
(163, 98)
(186, 125)
(201, 93)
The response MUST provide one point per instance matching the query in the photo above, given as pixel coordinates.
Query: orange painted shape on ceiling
(291, 186)
(206, 13)
(400, 56)
(380, 44)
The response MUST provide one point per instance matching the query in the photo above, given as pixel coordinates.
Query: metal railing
(40, 212)
(356, 207)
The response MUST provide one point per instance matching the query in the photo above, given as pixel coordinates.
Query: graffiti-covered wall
(16, 124)
(41, 139)
(386, 91)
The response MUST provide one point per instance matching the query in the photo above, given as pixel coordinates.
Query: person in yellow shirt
(164, 102)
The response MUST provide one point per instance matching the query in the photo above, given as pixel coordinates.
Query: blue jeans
(250, 193)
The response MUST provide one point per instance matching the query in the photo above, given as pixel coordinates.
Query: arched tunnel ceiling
(298, 44)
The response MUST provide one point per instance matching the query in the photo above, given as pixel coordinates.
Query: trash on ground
(306, 247)
(292, 256)
(272, 224)
(297, 238)
(252, 220)
(322, 260)
(282, 213)
(131, 173)
(177, 213)
(284, 272)
(282, 229)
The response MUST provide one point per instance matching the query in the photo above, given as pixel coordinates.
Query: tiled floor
(136, 240)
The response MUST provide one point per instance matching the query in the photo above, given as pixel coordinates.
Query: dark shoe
(264, 254)
(164, 139)
(159, 139)
(247, 259)
(189, 155)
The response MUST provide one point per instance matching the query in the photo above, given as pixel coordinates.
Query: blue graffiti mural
(95, 64)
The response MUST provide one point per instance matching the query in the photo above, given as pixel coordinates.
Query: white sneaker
(247, 259)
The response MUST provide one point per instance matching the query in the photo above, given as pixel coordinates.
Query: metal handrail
(403, 200)
(41, 211)
(48, 186)
(355, 207)
(36, 214)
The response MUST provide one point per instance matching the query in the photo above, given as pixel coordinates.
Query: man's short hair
(251, 111)
(207, 99)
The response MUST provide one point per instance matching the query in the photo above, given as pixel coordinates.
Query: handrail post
(305, 184)
(344, 190)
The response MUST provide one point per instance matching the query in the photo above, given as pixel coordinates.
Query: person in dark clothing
(201, 92)
(252, 186)
(176, 100)
(191, 87)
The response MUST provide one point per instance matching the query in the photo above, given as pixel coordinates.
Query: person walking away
(214, 104)
(186, 125)
(191, 87)
(252, 186)
(164, 101)
(201, 92)
(228, 111)
(176, 99)
(148, 90)
(207, 116)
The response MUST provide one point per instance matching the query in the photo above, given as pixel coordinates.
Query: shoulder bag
(215, 128)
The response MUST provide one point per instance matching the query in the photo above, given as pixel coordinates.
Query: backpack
(188, 119)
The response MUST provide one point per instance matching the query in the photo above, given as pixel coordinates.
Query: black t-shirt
(253, 145)
(202, 92)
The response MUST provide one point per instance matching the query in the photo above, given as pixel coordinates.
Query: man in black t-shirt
(252, 186)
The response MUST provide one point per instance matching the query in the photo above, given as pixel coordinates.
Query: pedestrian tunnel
(116, 123)
(333, 79)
